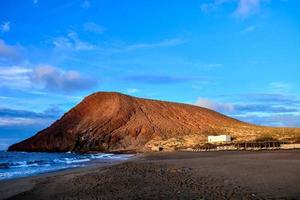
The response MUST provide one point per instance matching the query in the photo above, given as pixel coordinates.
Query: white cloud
(220, 107)
(35, 92)
(281, 120)
(209, 7)
(94, 28)
(54, 79)
(287, 120)
(62, 43)
(45, 77)
(262, 109)
(5, 27)
(247, 7)
(280, 87)
(243, 9)
(132, 90)
(15, 121)
(15, 70)
(5, 97)
(9, 52)
(15, 77)
(72, 42)
(86, 4)
(248, 29)
(164, 43)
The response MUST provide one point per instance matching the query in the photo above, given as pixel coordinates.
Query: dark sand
(180, 175)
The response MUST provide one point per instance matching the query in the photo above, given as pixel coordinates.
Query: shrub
(265, 139)
(205, 146)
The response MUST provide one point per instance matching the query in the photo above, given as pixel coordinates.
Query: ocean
(22, 164)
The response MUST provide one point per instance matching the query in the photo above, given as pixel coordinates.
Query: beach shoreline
(15, 186)
(171, 175)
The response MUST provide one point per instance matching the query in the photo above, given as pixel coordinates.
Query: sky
(238, 57)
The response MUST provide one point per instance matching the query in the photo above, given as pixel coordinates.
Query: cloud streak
(94, 28)
(161, 79)
(45, 77)
(52, 112)
(247, 7)
(248, 29)
(214, 5)
(12, 117)
(15, 77)
(86, 4)
(163, 43)
(243, 9)
(132, 90)
(283, 120)
(264, 109)
(9, 52)
(72, 42)
(281, 87)
(16, 121)
(54, 79)
(242, 108)
(5, 27)
(220, 107)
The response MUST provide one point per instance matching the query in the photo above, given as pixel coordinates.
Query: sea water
(22, 164)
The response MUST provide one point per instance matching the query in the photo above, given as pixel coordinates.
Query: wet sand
(178, 175)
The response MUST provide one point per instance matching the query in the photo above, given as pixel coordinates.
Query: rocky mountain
(111, 122)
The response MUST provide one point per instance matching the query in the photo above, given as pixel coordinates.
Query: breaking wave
(20, 164)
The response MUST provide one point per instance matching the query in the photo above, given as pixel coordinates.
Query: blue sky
(238, 57)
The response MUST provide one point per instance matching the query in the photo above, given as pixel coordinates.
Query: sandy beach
(178, 175)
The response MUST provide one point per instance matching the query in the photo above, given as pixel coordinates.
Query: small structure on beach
(219, 138)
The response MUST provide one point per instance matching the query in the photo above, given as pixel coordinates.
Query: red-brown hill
(108, 121)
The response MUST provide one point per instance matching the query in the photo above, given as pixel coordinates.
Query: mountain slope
(107, 121)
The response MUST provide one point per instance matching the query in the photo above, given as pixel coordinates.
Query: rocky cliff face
(110, 122)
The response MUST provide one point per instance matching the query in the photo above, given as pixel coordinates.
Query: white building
(219, 138)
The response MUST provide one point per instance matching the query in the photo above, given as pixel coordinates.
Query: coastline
(15, 186)
(171, 175)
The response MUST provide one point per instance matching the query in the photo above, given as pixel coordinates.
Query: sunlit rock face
(110, 122)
